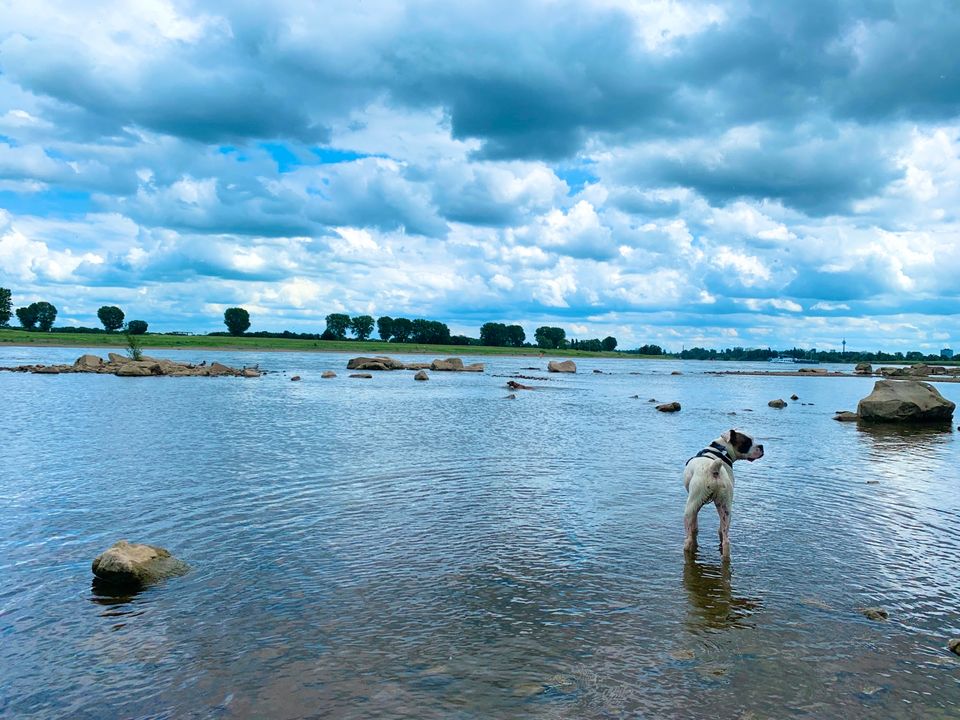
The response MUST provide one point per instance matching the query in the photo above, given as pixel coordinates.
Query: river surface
(387, 548)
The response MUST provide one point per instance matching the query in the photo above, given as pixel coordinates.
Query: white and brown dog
(708, 476)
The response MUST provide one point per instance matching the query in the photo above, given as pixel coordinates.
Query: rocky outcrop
(448, 365)
(778, 403)
(909, 401)
(863, 368)
(131, 564)
(421, 375)
(846, 416)
(123, 366)
(562, 366)
(381, 362)
(670, 407)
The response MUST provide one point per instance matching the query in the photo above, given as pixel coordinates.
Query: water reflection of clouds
(713, 604)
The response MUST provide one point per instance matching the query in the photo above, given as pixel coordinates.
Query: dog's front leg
(723, 510)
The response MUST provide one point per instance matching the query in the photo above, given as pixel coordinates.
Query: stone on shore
(562, 366)
(908, 401)
(132, 564)
(846, 416)
(421, 375)
(778, 403)
(448, 364)
(863, 368)
(670, 407)
(327, 374)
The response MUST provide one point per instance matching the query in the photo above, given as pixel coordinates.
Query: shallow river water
(388, 548)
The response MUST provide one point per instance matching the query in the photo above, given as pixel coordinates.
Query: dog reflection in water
(713, 606)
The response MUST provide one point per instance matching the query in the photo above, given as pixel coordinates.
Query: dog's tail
(715, 468)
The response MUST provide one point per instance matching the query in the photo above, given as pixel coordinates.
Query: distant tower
(844, 347)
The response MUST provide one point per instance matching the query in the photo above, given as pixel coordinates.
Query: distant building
(946, 353)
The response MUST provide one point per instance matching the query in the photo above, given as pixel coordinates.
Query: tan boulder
(863, 368)
(250, 373)
(375, 363)
(125, 563)
(327, 374)
(908, 401)
(117, 359)
(562, 366)
(88, 363)
(421, 375)
(778, 403)
(137, 368)
(448, 364)
(217, 369)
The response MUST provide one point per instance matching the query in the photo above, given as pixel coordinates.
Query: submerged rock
(125, 563)
(295, 378)
(327, 374)
(421, 375)
(875, 613)
(670, 407)
(475, 367)
(778, 403)
(365, 376)
(511, 396)
(846, 416)
(562, 366)
(953, 645)
(909, 401)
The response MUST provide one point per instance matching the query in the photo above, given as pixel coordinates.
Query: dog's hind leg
(723, 510)
(690, 524)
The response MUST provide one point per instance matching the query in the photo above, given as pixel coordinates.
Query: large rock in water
(909, 401)
(863, 368)
(132, 564)
(374, 363)
(567, 366)
(449, 364)
(88, 363)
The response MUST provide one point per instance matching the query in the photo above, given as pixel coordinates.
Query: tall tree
(237, 320)
(137, 327)
(5, 311)
(493, 334)
(27, 317)
(385, 327)
(45, 313)
(362, 326)
(111, 316)
(402, 328)
(515, 336)
(609, 343)
(550, 337)
(338, 324)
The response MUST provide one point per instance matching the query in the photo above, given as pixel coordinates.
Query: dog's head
(741, 446)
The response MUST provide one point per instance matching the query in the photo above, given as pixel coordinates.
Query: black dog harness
(717, 451)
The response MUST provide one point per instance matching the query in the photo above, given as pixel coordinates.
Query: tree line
(42, 315)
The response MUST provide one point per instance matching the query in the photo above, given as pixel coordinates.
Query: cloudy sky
(686, 173)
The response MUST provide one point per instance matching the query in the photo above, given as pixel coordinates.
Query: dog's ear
(731, 436)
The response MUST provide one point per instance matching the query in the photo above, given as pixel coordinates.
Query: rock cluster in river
(382, 362)
(123, 366)
(908, 401)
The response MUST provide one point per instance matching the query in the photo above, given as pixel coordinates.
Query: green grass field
(9, 336)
